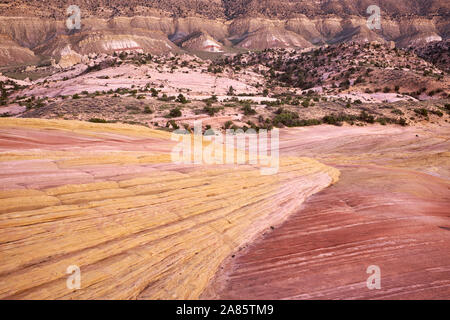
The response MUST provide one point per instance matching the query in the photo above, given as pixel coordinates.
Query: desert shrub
(154, 92)
(33, 104)
(295, 102)
(210, 110)
(437, 112)
(309, 122)
(98, 120)
(398, 112)
(447, 107)
(279, 110)
(148, 110)
(175, 113)
(228, 124)
(333, 119)
(132, 108)
(271, 103)
(381, 121)
(421, 112)
(95, 67)
(186, 127)
(166, 98)
(181, 99)
(358, 80)
(345, 84)
(39, 104)
(365, 117)
(247, 109)
(173, 124)
(402, 122)
(287, 118)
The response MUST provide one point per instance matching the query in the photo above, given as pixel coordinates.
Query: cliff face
(12, 53)
(151, 25)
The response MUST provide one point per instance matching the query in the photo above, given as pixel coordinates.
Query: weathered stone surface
(390, 208)
(159, 233)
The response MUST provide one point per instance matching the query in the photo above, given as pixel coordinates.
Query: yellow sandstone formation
(155, 234)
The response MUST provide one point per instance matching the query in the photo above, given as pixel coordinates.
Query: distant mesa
(160, 27)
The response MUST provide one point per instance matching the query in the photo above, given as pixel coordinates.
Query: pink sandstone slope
(390, 208)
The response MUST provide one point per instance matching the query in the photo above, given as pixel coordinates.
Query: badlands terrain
(32, 30)
(87, 130)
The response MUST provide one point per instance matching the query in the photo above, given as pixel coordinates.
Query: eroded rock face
(85, 43)
(245, 24)
(12, 53)
(389, 208)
